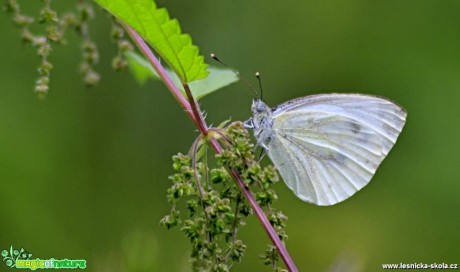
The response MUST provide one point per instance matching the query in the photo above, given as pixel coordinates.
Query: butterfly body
(262, 123)
(327, 147)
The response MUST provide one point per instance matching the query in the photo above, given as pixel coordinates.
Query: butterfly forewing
(327, 147)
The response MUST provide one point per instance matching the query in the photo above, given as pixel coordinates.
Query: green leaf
(141, 69)
(162, 33)
(224, 123)
(217, 79)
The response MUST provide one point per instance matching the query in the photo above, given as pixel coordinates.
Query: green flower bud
(22, 20)
(11, 6)
(48, 15)
(119, 64)
(86, 12)
(91, 78)
(45, 68)
(125, 46)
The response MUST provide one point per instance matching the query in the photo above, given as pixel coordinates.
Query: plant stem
(197, 181)
(145, 49)
(196, 111)
(192, 109)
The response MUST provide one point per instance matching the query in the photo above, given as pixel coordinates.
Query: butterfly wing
(327, 147)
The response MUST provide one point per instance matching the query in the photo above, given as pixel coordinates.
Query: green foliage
(217, 79)
(216, 209)
(163, 34)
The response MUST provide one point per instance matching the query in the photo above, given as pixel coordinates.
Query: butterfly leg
(248, 123)
(261, 155)
(263, 145)
(262, 151)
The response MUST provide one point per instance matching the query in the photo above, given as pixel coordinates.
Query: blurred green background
(83, 173)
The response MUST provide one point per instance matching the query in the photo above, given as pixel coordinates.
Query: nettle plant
(216, 199)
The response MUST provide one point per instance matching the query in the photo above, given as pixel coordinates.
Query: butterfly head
(258, 106)
(261, 114)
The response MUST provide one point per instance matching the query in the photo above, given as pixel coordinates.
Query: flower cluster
(216, 209)
(50, 29)
(89, 51)
(119, 62)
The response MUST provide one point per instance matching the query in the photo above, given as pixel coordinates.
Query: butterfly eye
(261, 107)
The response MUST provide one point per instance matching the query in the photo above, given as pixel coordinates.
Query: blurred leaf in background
(217, 78)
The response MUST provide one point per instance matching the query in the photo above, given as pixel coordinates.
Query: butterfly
(327, 147)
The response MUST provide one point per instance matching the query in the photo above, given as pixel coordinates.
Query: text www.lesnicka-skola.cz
(433, 266)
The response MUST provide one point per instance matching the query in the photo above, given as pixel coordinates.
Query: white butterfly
(327, 147)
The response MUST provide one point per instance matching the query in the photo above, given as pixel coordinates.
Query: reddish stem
(145, 49)
(202, 127)
(192, 109)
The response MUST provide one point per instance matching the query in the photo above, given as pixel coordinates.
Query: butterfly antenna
(260, 85)
(236, 73)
